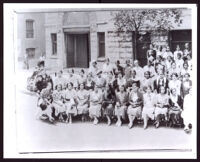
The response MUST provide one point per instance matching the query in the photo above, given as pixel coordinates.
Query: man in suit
(161, 81)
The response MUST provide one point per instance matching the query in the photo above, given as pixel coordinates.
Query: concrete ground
(37, 136)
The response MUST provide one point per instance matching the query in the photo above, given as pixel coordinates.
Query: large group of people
(159, 92)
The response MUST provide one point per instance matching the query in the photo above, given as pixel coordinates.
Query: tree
(152, 20)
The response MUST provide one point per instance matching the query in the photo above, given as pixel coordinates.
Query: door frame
(88, 44)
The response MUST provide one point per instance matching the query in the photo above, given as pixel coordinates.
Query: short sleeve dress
(95, 104)
(83, 101)
(164, 100)
(149, 102)
(121, 109)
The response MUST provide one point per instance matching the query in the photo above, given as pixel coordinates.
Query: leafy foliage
(146, 19)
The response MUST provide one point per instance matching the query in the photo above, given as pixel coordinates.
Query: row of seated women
(63, 104)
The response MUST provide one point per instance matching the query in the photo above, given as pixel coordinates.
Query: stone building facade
(72, 38)
(30, 36)
(85, 25)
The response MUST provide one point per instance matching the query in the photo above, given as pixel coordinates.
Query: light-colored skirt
(134, 111)
(159, 111)
(83, 109)
(120, 111)
(70, 108)
(148, 111)
(40, 112)
(59, 107)
(95, 110)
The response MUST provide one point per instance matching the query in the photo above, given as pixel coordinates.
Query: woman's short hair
(80, 85)
(123, 87)
(171, 90)
(147, 72)
(146, 87)
(174, 74)
(83, 71)
(56, 87)
(70, 84)
(187, 74)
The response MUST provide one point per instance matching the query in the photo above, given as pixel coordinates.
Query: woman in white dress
(178, 51)
(70, 104)
(173, 69)
(107, 68)
(95, 104)
(162, 104)
(185, 69)
(175, 83)
(186, 84)
(187, 112)
(121, 105)
(59, 79)
(147, 81)
(93, 69)
(120, 81)
(149, 106)
(58, 98)
(82, 101)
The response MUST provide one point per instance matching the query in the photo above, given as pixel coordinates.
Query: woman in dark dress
(108, 103)
(175, 107)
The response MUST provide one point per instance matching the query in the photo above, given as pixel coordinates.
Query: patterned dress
(44, 103)
(163, 100)
(108, 103)
(70, 104)
(58, 97)
(149, 102)
(175, 85)
(121, 108)
(95, 104)
(137, 99)
(83, 102)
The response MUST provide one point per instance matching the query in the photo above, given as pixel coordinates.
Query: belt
(135, 107)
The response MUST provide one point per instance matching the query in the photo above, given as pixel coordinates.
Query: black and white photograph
(112, 80)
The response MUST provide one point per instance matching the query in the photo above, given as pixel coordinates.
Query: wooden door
(70, 50)
(81, 56)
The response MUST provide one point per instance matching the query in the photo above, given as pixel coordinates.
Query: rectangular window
(54, 43)
(101, 43)
(180, 37)
(29, 29)
(30, 52)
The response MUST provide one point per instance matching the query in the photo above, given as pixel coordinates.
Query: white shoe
(109, 123)
(95, 121)
(130, 125)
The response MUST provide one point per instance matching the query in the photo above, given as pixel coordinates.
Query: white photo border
(9, 117)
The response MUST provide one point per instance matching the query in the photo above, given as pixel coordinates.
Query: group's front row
(64, 104)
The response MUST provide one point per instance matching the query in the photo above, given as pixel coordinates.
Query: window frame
(100, 42)
(30, 31)
(28, 50)
(54, 44)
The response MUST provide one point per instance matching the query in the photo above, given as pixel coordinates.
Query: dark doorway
(77, 50)
(143, 42)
